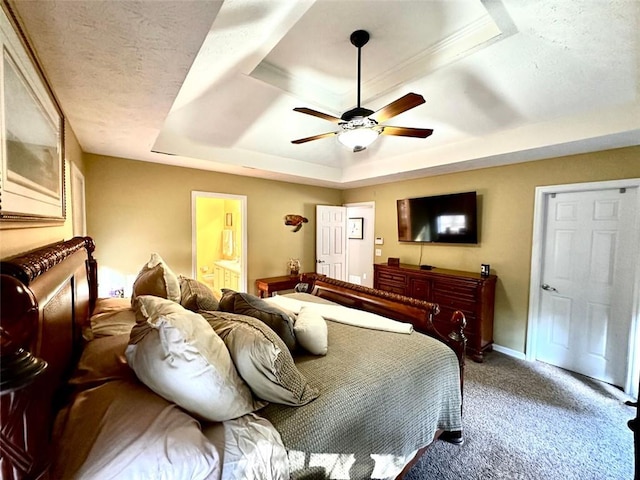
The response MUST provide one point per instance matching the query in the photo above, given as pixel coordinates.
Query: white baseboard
(509, 351)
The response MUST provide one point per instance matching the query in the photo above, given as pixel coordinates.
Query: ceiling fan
(360, 127)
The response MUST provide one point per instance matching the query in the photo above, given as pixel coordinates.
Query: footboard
(405, 309)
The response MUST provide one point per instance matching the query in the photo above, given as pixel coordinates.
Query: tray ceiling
(212, 84)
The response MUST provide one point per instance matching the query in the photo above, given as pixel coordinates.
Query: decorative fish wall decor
(296, 221)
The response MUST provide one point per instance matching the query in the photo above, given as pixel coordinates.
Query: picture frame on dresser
(32, 186)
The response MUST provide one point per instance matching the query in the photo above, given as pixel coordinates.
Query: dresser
(469, 292)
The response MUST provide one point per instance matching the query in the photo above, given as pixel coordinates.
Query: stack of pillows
(222, 359)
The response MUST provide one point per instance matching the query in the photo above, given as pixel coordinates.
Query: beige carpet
(531, 421)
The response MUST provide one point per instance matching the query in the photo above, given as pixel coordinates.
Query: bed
(378, 398)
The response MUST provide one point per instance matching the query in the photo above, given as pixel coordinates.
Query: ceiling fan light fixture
(358, 133)
(357, 139)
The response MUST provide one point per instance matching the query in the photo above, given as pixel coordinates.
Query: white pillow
(311, 331)
(253, 448)
(178, 355)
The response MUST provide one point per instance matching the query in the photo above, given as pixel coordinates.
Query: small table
(268, 286)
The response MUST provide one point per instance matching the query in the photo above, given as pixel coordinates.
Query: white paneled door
(588, 281)
(331, 241)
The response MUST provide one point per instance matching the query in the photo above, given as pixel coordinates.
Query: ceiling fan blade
(315, 137)
(315, 113)
(409, 101)
(407, 132)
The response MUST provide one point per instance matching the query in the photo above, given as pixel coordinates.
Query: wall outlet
(378, 252)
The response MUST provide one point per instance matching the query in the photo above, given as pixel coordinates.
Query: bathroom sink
(229, 264)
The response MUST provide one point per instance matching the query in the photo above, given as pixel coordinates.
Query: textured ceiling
(213, 84)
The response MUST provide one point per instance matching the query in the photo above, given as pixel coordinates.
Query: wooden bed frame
(47, 295)
(405, 309)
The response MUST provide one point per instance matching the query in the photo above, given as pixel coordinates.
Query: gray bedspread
(381, 393)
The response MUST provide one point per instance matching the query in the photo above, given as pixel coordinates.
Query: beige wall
(135, 208)
(17, 240)
(506, 206)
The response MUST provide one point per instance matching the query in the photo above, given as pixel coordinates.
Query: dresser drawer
(446, 312)
(465, 291)
(465, 305)
(420, 289)
(387, 276)
(391, 281)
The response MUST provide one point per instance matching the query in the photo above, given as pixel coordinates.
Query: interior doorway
(219, 240)
(345, 242)
(360, 249)
(331, 241)
(585, 279)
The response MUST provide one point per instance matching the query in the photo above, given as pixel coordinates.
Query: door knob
(320, 261)
(548, 288)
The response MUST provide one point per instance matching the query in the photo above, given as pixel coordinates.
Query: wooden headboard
(46, 296)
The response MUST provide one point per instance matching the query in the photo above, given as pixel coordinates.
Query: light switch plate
(378, 252)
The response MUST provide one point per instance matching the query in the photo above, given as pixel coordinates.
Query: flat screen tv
(449, 218)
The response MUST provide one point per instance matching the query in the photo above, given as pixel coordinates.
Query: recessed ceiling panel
(316, 62)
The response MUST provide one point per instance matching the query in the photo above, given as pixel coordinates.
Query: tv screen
(439, 219)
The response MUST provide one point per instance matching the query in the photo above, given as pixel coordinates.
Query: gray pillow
(261, 358)
(195, 295)
(278, 319)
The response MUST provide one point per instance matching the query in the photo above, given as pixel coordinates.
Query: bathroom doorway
(219, 240)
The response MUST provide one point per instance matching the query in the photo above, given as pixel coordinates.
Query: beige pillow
(311, 331)
(156, 278)
(103, 360)
(122, 429)
(195, 295)
(262, 359)
(112, 316)
(178, 355)
(111, 304)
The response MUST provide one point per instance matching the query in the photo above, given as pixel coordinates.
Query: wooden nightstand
(268, 286)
